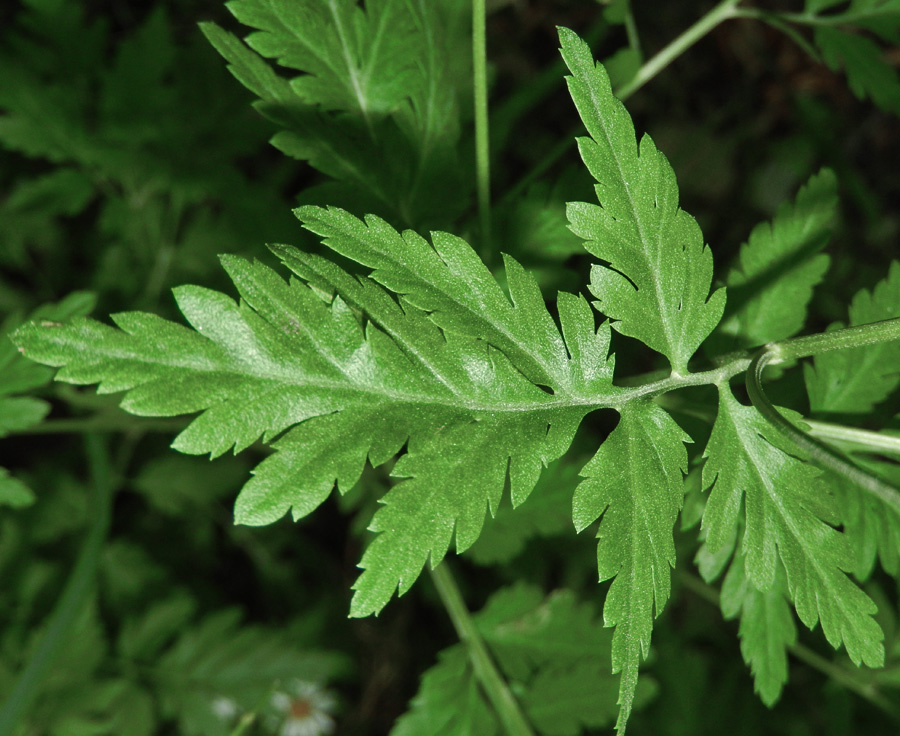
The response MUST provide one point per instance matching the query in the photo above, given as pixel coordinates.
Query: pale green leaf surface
(854, 380)
(656, 285)
(772, 283)
(784, 502)
(635, 483)
(351, 59)
(294, 359)
(868, 73)
(766, 630)
(447, 279)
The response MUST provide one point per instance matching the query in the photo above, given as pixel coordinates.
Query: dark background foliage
(142, 160)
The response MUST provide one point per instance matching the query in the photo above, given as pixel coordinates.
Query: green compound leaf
(295, 361)
(554, 652)
(786, 513)
(449, 702)
(770, 287)
(375, 103)
(656, 284)
(635, 482)
(853, 381)
(861, 59)
(766, 630)
(446, 279)
(871, 526)
(352, 59)
(218, 658)
(882, 17)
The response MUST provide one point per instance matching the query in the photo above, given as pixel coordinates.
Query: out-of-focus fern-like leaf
(879, 16)
(635, 483)
(19, 375)
(554, 652)
(657, 281)
(28, 216)
(446, 368)
(352, 59)
(771, 285)
(872, 526)
(375, 103)
(449, 702)
(862, 60)
(13, 492)
(218, 658)
(788, 517)
(854, 381)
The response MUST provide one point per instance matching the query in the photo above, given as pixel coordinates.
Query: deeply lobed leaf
(374, 105)
(778, 266)
(290, 360)
(656, 285)
(786, 513)
(853, 381)
(635, 483)
(554, 652)
(860, 58)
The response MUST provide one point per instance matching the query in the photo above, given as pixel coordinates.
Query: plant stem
(489, 677)
(75, 596)
(778, 22)
(887, 330)
(505, 116)
(805, 654)
(862, 439)
(482, 130)
(721, 12)
(818, 452)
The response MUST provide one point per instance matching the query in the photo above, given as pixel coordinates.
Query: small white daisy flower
(224, 709)
(304, 709)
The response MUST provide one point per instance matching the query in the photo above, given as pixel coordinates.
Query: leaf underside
(787, 515)
(440, 369)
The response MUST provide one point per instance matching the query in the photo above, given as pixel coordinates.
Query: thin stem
(721, 12)
(819, 453)
(505, 116)
(482, 130)
(806, 655)
(861, 439)
(887, 330)
(634, 40)
(777, 21)
(486, 671)
(75, 596)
